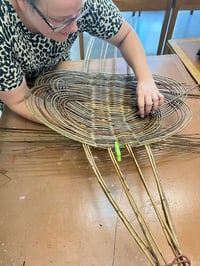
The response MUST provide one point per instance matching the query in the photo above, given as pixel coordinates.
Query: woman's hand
(148, 97)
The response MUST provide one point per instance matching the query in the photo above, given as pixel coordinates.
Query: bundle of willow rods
(98, 109)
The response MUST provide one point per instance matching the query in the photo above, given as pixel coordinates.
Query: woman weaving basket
(37, 34)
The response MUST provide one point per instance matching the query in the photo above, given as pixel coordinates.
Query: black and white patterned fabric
(24, 54)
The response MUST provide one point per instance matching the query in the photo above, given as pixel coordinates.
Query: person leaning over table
(35, 35)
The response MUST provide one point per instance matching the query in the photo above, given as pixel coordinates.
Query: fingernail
(142, 116)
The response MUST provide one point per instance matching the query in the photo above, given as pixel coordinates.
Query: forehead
(60, 7)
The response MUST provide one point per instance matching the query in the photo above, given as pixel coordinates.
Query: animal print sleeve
(103, 19)
(11, 75)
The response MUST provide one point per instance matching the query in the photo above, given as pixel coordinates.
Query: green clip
(117, 151)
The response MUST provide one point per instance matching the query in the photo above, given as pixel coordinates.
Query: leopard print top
(24, 54)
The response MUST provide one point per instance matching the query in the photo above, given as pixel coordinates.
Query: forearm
(15, 101)
(22, 110)
(32, 108)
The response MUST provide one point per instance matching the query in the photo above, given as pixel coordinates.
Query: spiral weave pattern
(97, 108)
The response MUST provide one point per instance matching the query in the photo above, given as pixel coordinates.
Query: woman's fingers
(149, 100)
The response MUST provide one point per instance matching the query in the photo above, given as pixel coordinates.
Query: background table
(187, 50)
(53, 211)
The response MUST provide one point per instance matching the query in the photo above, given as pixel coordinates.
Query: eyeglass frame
(61, 26)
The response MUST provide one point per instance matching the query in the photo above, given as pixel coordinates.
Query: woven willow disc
(97, 108)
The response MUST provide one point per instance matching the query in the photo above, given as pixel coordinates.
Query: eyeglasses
(60, 26)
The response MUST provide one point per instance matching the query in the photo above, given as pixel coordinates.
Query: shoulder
(8, 20)
(102, 7)
(7, 13)
(100, 3)
(103, 18)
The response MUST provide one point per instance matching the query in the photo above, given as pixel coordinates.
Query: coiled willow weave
(97, 109)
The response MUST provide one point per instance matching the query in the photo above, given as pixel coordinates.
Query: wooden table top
(187, 50)
(53, 211)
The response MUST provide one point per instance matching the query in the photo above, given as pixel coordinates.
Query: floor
(148, 24)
